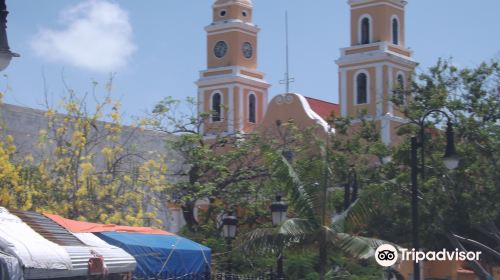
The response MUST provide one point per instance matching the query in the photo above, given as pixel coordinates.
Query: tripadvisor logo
(387, 255)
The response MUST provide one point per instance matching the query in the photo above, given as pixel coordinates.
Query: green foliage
(462, 201)
(85, 169)
(348, 268)
(310, 181)
(227, 169)
(301, 265)
(304, 265)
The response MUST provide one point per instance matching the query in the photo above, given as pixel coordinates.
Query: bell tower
(376, 62)
(232, 94)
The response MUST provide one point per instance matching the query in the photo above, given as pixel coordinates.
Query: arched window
(251, 108)
(216, 107)
(401, 82)
(395, 31)
(365, 31)
(400, 92)
(361, 88)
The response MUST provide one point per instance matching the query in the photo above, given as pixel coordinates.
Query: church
(235, 93)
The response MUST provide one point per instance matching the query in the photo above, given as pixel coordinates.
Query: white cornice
(234, 70)
(232, 78)
(377, 56)
(381, 53)
(230, 3)
(384, 46)
(222, 31)
(231, 24)
(361, 2)
(372, 4)
(387, 116)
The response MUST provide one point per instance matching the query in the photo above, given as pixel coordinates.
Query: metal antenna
(287, 79)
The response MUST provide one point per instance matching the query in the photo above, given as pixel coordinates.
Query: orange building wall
(407, 75)
(216, 126)
(236, 102)
(381, 23)
(233, 12)
(248, 126)
(352, 108)
(234, 55)
(452, 270)
(285, 112)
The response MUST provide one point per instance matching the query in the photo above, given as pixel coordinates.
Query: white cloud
(97, 35)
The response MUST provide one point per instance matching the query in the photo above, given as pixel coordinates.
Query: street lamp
(278, 211)
(352, 183)
(5, 54)
(450, 160)
(278, 214)
(229, 225)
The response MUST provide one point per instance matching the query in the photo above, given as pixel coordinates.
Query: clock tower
(232, 94)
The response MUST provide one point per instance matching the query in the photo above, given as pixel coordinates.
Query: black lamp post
(351, 188)
(5, 54)
(450, 159)
(278, 213)
(229, 225)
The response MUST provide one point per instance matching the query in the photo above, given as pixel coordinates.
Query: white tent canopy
(34, 251)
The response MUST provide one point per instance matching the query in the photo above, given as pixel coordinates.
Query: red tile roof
(323, 108)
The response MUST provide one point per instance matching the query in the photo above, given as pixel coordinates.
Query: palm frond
(265, 240)
(320, 204)
(297, 227)
(261, 239)
(355, 215)
(356, 246)
(302, 201)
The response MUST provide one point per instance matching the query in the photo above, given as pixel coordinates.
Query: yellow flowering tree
(9, 172)
(89, 168)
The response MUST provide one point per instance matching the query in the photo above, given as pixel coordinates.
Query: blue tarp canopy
(161, 256)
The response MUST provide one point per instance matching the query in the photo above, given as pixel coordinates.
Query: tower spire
(287, 79)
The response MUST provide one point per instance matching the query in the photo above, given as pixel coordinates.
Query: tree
(462, 202)
(225, 169)
(9, 172)
(310, 186)
(9, 176)
(89, 169)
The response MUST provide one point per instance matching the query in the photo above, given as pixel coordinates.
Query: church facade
(234, 94)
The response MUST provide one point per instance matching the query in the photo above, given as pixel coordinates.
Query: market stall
(159, 254)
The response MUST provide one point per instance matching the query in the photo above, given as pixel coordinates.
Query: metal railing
(257, 276)
(215, 276)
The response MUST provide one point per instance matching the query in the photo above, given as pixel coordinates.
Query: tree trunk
(188, 213)
(322, 257)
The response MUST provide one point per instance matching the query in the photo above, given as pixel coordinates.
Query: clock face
(247, 50)
(220, 49)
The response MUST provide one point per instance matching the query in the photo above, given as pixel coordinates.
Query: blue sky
(157, 47)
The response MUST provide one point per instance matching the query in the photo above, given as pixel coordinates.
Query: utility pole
(287, 79)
